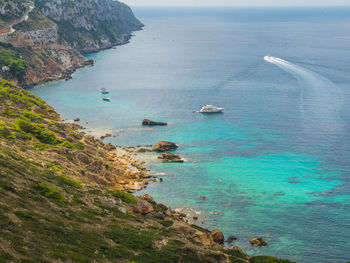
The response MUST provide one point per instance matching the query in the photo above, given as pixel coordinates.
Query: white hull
(211, 110)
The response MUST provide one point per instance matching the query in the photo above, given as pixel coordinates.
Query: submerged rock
(105, 136)
(153, 123)
(258, 241)
(164, 146)
(203, 197)
(170, 158)
(230, 239)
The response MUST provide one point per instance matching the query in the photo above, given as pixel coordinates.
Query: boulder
(170, 158)
(142, 207)
(230, 239)
(76, 119)
(258, 241)
(239, 253)
(153, 123)
(148, 198)
(203, 197)
(164, 146)
(217, 236)
(105, 136)
(203, 238)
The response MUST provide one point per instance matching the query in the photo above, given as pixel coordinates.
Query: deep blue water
(282, 146)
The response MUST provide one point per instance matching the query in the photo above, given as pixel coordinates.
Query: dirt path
(23, 18)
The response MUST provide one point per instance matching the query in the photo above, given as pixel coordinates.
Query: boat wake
(320, 99)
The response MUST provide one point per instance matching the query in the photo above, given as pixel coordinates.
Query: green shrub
(161, 208)
(50, 192)
(12, 60)
(5, 132)
(132, 238)
(33, 116)
(266, 259)
(126, 197)
(166, 223)
(9, 113)
(68, 181)
(44, 136)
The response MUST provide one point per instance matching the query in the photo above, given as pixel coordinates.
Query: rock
(164, 146)
(258, 242)
(239, 253)
(203, 197)
(105, 136)
(109, 147)
(142, 207)
(148, 198)
(230, 239)
(153, 123)
(76, 119)
(227, 204)
(143, 150)
(217, 236)
(83, 158)
(203, 238)
(170, 158)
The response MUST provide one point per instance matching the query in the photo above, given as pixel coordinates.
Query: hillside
(42, 41)
(61, 198)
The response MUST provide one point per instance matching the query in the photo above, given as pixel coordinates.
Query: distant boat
(210, 109)
(105, 98)
(104, 91)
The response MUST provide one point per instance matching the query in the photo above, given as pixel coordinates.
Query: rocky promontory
(42, 41)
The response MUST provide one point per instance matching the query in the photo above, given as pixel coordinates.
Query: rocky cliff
(90, 25)
(42, 40)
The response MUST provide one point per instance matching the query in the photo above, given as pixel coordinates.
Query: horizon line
(244, 6)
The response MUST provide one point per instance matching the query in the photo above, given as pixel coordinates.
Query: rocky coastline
(62, 169)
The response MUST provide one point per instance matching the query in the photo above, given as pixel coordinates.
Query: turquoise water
(281, 148)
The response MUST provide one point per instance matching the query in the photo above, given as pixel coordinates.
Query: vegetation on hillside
(15, 64)
(51, 210)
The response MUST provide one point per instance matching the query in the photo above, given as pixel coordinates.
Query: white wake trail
(321, 100)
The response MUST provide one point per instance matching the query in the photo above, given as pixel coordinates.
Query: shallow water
(281, 148)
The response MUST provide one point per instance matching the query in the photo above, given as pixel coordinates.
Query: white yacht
(210, 109)
(104, 91)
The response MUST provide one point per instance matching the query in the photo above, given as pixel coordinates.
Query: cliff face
(42, 40)
(91, 25)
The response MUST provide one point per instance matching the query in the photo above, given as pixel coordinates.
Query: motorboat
(104, 91)
(105, 98)
(210, 109)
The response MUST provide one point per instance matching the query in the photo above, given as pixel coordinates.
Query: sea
(276, 162)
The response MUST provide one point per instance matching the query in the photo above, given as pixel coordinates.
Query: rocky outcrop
(153, 123)
(258, 242)
(45, 37)
(238, 253)
(217, 236)
(164, 146)
(142, 207)
(170, 158)
(90, 25)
